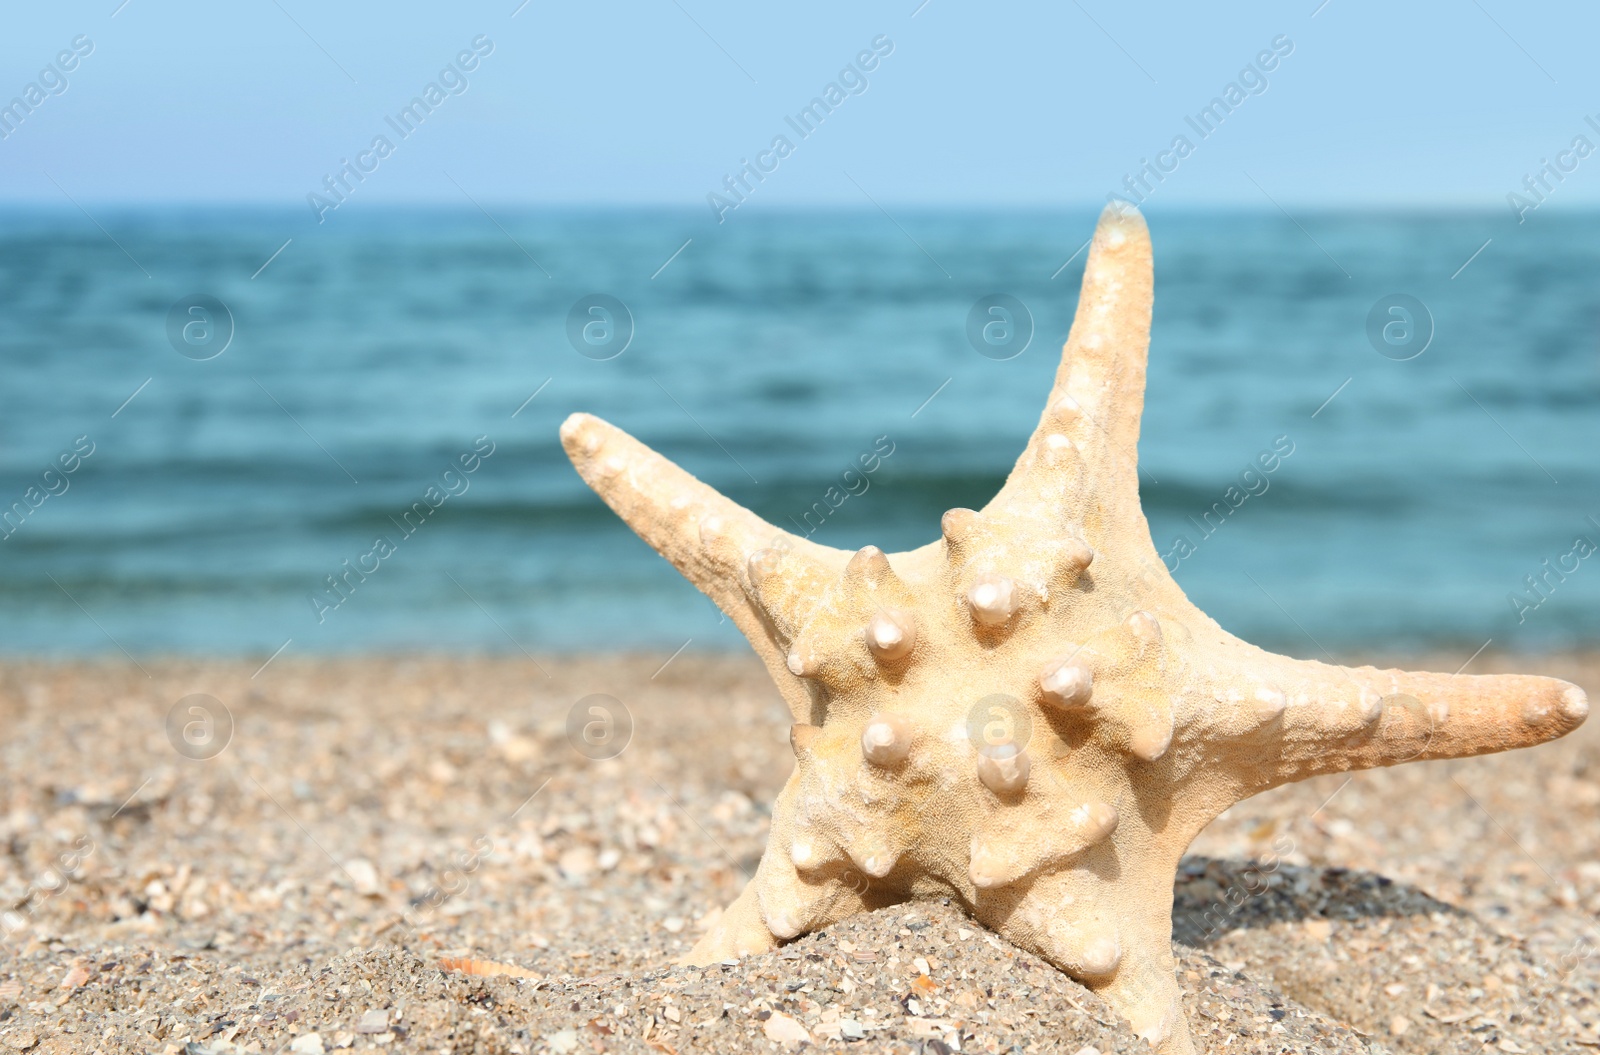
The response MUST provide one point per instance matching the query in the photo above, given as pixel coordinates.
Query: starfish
(1028, 715)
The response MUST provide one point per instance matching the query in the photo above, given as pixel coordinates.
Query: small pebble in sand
(577, 863)
(363, 876)
(307, 1044)
(376, 1021)
(785, 1030)
(75, 977)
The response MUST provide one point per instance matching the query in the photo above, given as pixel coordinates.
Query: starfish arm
(803, 883)
(1289, 720)
(1109, 925)
(779, 904)
(710, 539)
(1095, 405)
(739, 931)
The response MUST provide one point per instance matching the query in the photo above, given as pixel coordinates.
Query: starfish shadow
(1215, 897)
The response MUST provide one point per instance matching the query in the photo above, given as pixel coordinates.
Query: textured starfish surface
(1027, 714)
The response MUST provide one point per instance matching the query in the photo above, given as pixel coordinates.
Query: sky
(656, 102)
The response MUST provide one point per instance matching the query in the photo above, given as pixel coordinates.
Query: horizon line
(804, 208)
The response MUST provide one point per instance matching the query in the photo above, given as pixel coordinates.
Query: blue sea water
(766, 357)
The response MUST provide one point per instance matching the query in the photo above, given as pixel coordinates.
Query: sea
(208, 416)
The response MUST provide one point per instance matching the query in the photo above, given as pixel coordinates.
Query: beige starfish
(1028, 715)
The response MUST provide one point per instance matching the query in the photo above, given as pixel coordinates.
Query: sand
(317, 879)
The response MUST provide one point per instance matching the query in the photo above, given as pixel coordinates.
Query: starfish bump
(1027, 714)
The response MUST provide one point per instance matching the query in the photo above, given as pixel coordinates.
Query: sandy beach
(412, 854)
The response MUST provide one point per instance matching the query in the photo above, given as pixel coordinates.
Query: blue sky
(657, 101)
